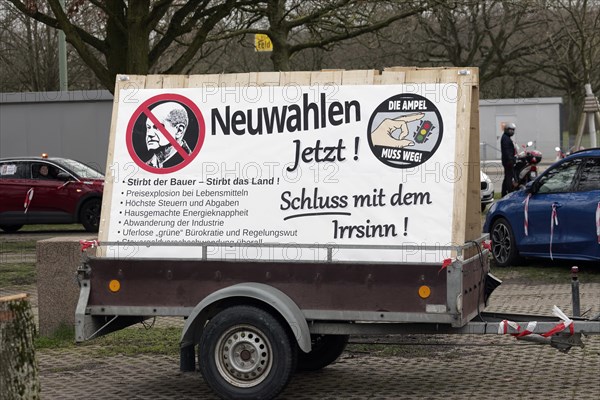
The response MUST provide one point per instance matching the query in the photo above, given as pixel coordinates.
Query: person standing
(507, 148)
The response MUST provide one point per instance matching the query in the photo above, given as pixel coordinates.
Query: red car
(40, 190)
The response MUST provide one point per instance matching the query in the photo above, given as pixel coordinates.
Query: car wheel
(504, 248)
(325, 350)
(10, 228)
(246, 353)
(89, 215)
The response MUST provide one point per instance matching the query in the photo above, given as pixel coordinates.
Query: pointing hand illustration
(382, 135)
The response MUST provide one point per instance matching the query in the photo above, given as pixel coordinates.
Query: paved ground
(438, 367)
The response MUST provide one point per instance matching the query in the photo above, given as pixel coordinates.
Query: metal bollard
(575, 291)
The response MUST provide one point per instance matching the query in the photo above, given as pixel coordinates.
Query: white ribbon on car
(553, 222)
(598, 222)
(526, 212)
(28, 198)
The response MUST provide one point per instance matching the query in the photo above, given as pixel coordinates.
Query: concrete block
(57, 262)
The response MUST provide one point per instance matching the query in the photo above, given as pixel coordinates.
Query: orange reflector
(114, 285)
(424, 292)
(44, 155)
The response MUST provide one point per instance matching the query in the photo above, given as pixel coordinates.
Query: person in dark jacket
(507, 148)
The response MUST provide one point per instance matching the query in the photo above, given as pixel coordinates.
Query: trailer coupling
(562, 335)
(562, 342)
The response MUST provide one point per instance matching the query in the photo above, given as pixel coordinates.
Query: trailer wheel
(504, 248)
(245, 353)
(324, 351)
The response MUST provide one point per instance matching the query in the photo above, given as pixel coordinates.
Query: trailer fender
(266, 294)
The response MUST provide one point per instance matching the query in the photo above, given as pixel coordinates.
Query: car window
(559, 179)
(590, 176)
(14, 170)
(43, 171)
(82, 170)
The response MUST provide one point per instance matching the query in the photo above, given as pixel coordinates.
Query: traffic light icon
(423, 132)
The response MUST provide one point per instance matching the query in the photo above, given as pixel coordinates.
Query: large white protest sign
(364, 165)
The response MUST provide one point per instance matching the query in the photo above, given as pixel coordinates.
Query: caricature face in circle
(173, 117)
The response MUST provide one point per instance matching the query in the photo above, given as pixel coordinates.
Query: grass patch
(16, 247)
(17, 274)
(131, 341)
(136, 340)
(58, 227)
(547, 272)
(62, 338)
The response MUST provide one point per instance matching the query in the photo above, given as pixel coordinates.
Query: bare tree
(572, 58)
(132, 36)
(297, 25)
(27, 56)
(488, 34)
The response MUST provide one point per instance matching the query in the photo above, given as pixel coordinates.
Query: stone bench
(58, 291)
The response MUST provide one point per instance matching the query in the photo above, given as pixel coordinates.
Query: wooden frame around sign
(466, 212)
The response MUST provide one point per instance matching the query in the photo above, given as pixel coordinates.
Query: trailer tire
(504, 247)
(246, 353)
(325, 350)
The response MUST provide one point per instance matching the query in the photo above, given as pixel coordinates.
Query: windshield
(80, 169)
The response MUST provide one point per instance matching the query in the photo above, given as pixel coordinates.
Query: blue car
(556, 216)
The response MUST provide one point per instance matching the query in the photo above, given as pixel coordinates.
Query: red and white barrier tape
(566, 322)
(445, 264)
(526, 212)
(86, 244)
(28, 198)
(553, 222)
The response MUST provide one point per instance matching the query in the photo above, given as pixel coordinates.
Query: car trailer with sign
(255, 323)
(392, 244)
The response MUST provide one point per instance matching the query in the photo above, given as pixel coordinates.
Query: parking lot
(408, 367)
(423, 367)
(463, 368)
(419, 367)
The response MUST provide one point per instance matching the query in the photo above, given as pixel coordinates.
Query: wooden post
(18, 371)
(591, 107)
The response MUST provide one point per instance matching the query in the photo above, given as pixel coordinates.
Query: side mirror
(63, 176)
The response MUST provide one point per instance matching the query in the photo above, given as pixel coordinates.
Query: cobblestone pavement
(437, 367)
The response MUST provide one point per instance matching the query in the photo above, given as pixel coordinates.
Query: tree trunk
(278, 33)
(280, 57)
(18, 375)
(138, 41)
(116, 40)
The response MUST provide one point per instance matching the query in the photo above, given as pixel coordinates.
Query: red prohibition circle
(144, 109)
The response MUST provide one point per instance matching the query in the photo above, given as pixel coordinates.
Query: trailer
(279, 213)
